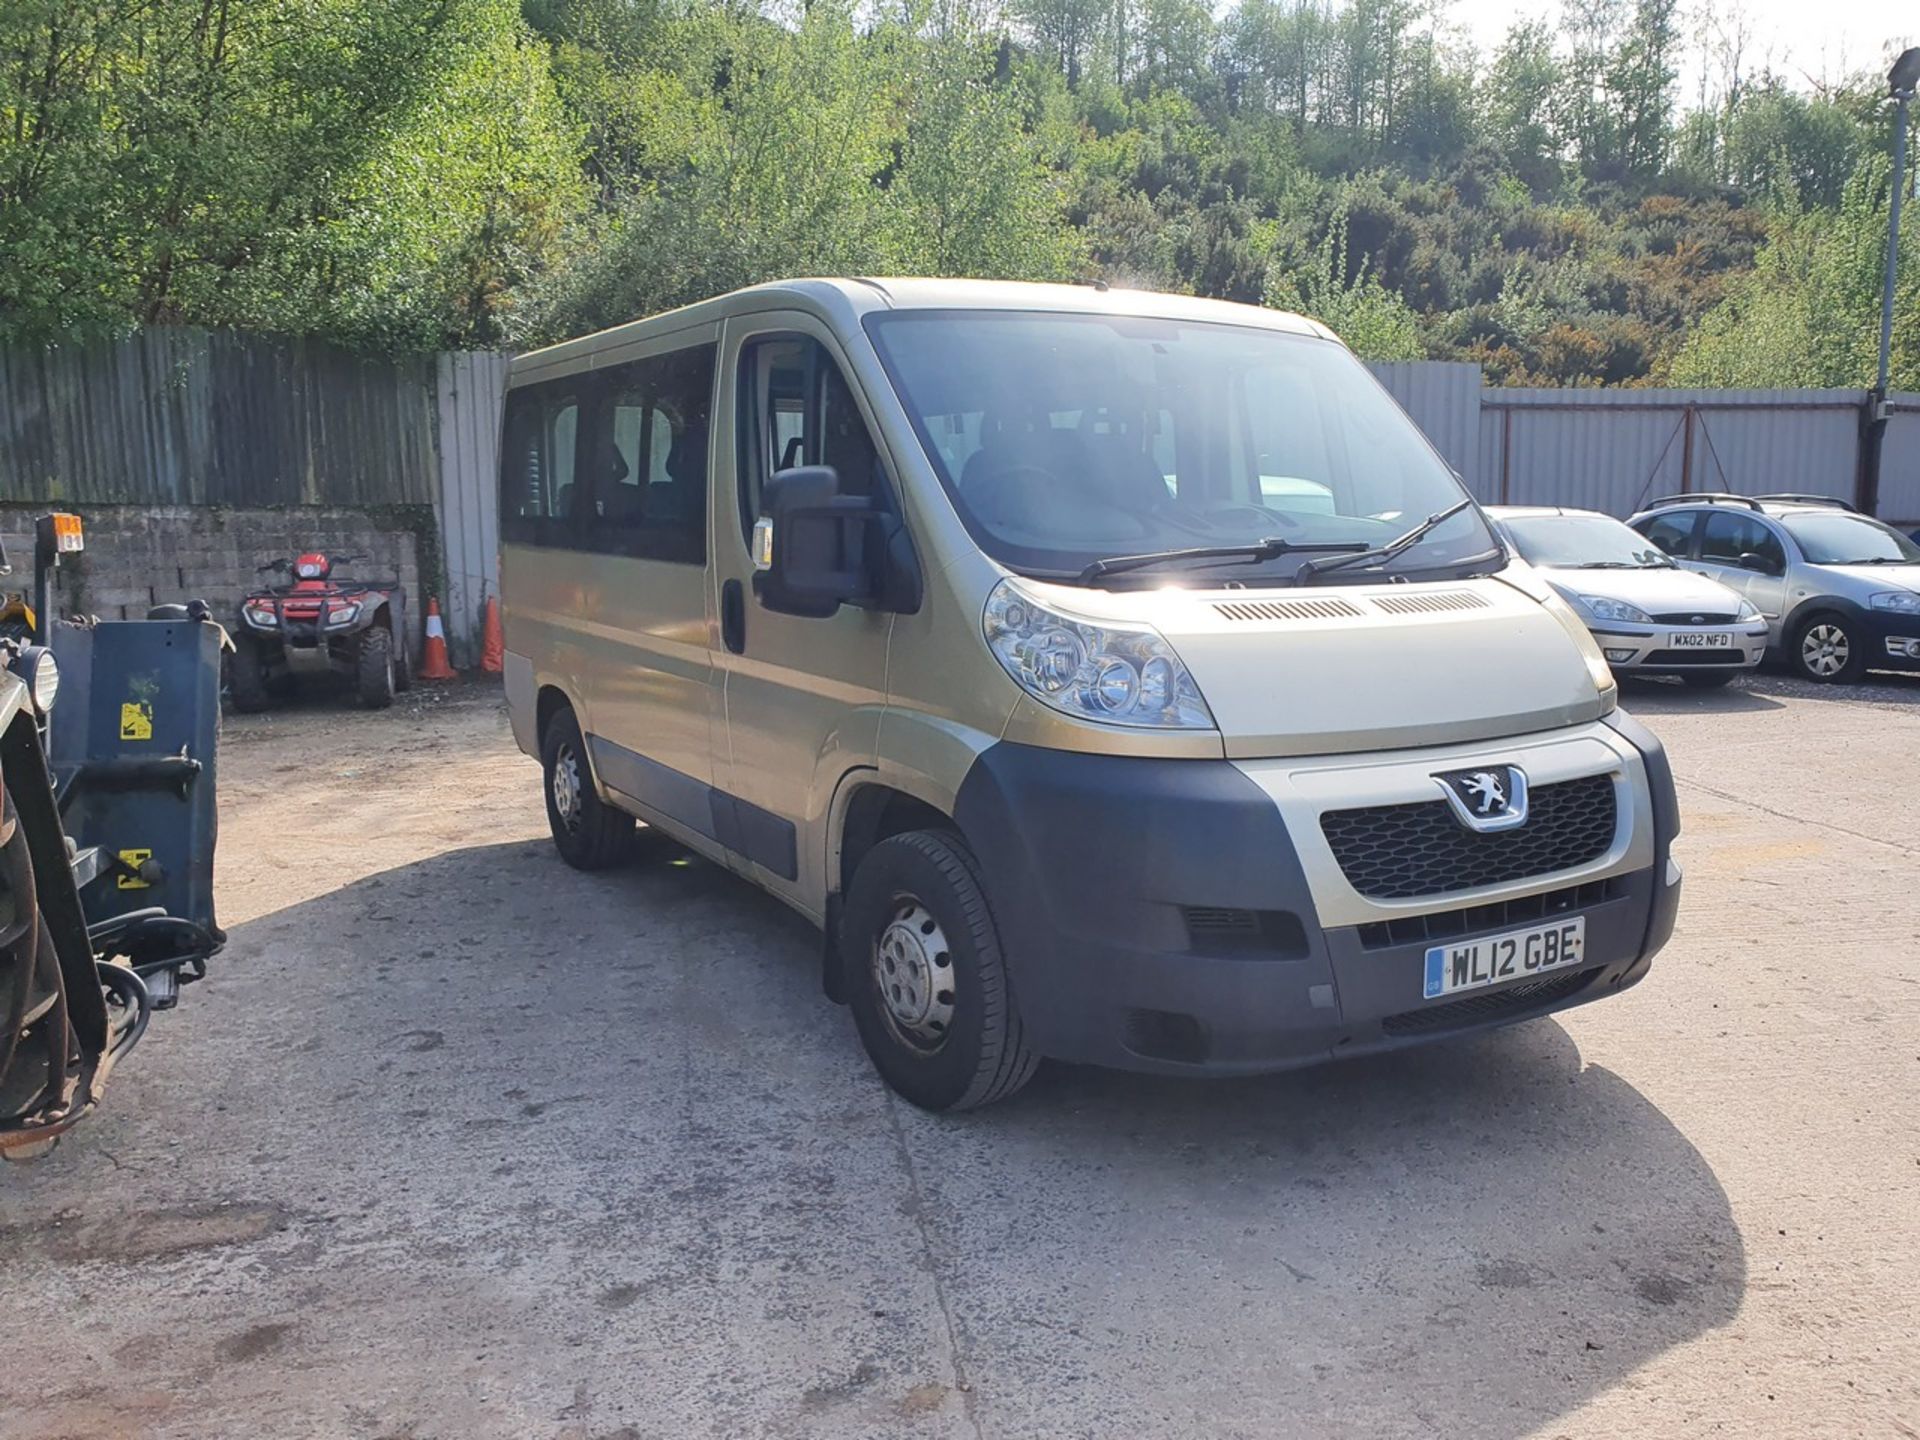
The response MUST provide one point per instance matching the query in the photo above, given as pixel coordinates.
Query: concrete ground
(457, 1143)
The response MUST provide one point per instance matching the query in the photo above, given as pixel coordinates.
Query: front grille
(1479, 1009)
(1723, 656)
(1691, 617)
(1397, 852)
(1495, 915)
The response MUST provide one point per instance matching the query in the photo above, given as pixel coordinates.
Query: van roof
(848, 300)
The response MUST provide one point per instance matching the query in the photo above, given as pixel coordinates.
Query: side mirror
(1750, 561)
(815, 549)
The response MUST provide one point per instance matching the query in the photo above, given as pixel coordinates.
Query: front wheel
(373, 669)
(1828, 651)
(247, 677)
(589, 833)
(926, 978)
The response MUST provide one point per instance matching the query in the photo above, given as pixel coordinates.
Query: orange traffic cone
(493, 647)
(433, 662)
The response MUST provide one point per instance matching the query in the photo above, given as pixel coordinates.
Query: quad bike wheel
(247, 677)
(373, 669)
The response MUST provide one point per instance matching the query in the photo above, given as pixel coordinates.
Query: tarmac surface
(457, 1143)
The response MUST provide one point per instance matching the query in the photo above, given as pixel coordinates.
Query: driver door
(802, 697)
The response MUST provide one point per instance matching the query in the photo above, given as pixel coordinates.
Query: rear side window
(614, 461)
(537, 448)
(1727, 536)
(1672, 533)
(644, 457)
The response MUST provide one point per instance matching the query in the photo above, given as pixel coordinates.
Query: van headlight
(1904, 602)
(1121, 675)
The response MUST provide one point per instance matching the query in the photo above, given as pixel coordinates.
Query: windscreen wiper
(1370, 559)
(1267, 549)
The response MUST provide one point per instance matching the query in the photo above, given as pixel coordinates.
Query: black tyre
(926, 978)
(247, 677)
(1710, 679)
(373, 669)
(589, 833)
(1828, 650)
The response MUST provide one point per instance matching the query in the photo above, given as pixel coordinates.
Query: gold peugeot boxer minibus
(1112, 676)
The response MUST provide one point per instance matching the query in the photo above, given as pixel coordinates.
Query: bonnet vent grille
(1328, 609)
(1429, 603)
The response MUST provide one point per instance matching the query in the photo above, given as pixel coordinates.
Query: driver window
(1727, 536)
(796, 408)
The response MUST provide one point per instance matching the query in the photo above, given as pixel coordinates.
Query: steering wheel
(1001, 482)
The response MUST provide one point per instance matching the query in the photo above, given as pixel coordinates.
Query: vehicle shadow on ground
(1664, 696)
(609, 1123)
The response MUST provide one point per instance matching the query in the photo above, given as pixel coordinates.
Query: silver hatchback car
(1648, 616)
(1840, 590)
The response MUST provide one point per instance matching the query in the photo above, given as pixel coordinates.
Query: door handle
(733, 617)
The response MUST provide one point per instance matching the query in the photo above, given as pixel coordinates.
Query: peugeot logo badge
(1487, 799)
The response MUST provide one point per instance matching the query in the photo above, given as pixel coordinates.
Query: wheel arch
(869, 806)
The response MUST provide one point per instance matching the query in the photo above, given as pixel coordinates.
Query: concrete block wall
(137, 556)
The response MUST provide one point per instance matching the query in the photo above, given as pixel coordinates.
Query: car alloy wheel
(1825, 650)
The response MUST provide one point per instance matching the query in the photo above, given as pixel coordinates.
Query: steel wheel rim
(1825, 650)
(566, 786)
(913, 974)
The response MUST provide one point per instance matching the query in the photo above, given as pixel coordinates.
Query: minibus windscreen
(1064, 439)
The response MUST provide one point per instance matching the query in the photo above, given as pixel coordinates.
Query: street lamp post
(1901, 81)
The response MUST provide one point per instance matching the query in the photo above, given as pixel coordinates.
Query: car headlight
(1748, 611)
(1122, 675)
(1903, 602)
(1601, 608)
(34, 665)
(343, 615)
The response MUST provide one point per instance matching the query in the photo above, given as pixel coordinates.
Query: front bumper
(1157, 916)
(1892, 639)
(1665, 649)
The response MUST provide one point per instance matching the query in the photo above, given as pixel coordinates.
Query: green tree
(1808, 314)
(1375, 323)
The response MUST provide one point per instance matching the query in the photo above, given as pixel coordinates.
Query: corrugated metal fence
(177, 416)
(470, 386)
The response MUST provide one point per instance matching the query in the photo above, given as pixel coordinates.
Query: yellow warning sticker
(129, 877)
(136, 720)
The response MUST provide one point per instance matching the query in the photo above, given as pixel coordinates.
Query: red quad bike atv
(318, 625)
